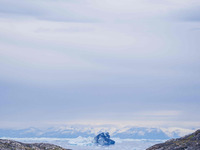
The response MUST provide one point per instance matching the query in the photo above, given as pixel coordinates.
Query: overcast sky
(130, 62)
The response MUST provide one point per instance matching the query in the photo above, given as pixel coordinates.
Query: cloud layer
(107, 61)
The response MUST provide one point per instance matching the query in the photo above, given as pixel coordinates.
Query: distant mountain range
(74, 131)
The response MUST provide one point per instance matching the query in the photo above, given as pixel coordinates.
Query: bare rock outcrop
(14, 145)
(188, 142)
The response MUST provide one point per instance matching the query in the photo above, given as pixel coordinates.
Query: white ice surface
(82, 143)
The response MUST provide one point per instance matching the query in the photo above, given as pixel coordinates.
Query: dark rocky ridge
(188, 142)
(14, 145)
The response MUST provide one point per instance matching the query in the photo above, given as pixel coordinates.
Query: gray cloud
(132, 60)
(65, 11)
(191, 14)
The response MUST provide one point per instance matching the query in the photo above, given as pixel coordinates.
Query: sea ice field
(82, 143)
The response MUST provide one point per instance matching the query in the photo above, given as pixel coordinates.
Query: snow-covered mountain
(74, 131)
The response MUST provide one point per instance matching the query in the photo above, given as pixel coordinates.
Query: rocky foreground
(189, 142)
(14, 145)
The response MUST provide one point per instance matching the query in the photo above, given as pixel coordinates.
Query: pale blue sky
(100, 61)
